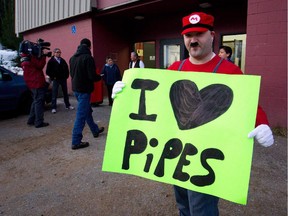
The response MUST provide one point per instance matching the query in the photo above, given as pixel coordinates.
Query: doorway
(237, 42)
(146, 52)
(170, 51)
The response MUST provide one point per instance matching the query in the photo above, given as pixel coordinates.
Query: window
(171, 50)
(171, 54)
(146, 52)
(237, 43)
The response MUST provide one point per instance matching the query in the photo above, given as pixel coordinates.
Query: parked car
(14, 93)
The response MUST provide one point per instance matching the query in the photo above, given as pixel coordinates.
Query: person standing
(225, 52)
(36, 82)
(82, 71)
(110, 74)
(135, 62)
(198, 38)
(58, 71)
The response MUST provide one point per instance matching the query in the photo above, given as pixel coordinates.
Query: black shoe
(30, 123)
(81, 145)
(101, 129)
(43, 124)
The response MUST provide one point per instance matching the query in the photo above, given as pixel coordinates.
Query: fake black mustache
(195, 44)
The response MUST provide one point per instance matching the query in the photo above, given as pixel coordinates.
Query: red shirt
(224, 68)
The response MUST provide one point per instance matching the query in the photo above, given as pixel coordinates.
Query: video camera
(27, 48)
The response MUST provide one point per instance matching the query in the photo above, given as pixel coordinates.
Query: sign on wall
(73, 29)
(185, 129)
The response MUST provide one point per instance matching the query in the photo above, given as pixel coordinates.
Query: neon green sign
(185, 129)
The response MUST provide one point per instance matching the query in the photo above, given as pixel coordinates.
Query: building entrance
(146, 52)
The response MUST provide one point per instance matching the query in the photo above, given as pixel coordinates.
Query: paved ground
(41, 175)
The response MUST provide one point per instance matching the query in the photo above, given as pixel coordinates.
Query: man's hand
(118, 86)
(263, 135)
(47, 79)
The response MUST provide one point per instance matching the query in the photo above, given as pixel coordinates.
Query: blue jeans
(83, 115)
(55, 88)
(36, 115)
(191, 203)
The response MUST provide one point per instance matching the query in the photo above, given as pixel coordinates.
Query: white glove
(263, 135)
(118, 86)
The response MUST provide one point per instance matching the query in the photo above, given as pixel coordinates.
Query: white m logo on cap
(194, 19)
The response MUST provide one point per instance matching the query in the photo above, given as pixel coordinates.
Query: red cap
(197, 22)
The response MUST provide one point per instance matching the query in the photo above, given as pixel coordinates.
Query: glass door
(237, 43)
(171, 51)
(146, 52)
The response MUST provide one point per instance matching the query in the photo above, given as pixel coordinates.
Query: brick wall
(266, 55)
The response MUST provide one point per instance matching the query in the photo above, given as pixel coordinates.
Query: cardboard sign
(185, 128)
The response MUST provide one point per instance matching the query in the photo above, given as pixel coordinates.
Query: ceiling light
(205, 5)
(139, 17)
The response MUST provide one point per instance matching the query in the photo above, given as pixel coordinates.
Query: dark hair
(227, 49)
(86, 42)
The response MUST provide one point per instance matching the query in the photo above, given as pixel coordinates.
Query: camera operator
(35, 79)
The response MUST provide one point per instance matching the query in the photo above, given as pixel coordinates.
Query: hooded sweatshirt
(83, 70)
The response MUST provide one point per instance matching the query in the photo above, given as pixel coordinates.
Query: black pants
(109, 90)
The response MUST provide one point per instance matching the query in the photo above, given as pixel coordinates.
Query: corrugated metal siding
(30, 14)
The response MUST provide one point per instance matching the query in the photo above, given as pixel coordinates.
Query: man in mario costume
(198, 35)
(198, 38)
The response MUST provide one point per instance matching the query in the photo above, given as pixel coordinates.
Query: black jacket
(83, 70)
(57, 71)
(137, 64)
